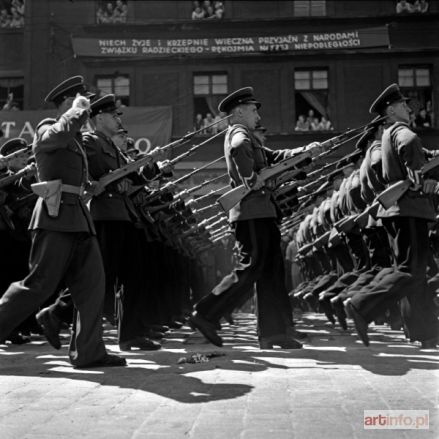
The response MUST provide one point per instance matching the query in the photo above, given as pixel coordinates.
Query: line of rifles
(189, 221)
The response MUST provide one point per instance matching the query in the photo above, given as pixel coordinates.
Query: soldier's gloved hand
(315, 148)
(259, 183)
(166, 167)
(81, 102)
(124, 186)
(430, 186)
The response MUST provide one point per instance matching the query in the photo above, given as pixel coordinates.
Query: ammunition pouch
(51, 192)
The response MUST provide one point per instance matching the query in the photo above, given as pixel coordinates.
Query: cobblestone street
(319, 392)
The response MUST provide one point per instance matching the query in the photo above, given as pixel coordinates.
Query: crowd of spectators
(204, 122)
(208, 10)
(112, 12)
(423, 118)
(312, 123)
(12, 13)
(410, 7)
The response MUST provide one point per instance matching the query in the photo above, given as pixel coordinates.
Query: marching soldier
(257, 235)
(64, 246)
(114, 216)
(407, 225)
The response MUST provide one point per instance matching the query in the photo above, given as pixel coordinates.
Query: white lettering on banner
(6, 127)
(112, 43)
(119, 50)
(288, 39)
(27, 130)
(142, 144)
(233, 41)
(141, 43)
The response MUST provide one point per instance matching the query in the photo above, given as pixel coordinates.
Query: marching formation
(95, 230)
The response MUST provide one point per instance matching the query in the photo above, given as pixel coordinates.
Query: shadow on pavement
(159, 372)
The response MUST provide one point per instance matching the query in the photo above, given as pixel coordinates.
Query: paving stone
(320, 391)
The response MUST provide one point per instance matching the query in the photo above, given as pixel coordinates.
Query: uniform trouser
(118, 241)
(260, 261)
(409, 240)
(72, 258)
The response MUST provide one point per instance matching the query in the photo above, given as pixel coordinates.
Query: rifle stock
(388, 197)
(234, 196)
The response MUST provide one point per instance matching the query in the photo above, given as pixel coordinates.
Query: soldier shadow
(159, 372)
(331, 348)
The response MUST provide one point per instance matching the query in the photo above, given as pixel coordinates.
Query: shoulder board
(47, 121)
(238, 128)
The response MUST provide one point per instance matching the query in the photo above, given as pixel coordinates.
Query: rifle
(211, 226)
(345, 224)
(135, 165)
(203, 209)
(219, 237)
(362, 218)
(388, 197)
(209, 194)
(234, 196)
(184, 193)
(21, 153)
(25, 172)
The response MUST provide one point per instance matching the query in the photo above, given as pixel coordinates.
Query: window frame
(125, 98)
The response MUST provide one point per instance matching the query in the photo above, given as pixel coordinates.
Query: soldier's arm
(412, 155)
(242, 156)
(51, 137)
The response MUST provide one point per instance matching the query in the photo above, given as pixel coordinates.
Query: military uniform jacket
(103, 157)
(59, 155)
(402, 158)
(245, 157)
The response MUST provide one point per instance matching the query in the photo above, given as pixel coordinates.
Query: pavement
(320, 391)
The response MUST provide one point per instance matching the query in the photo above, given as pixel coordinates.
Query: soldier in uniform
(260, 258)
(115, 216)
(406, 223)
(64, 245)
(16, 204)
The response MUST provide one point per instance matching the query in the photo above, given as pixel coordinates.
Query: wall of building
(43, 52)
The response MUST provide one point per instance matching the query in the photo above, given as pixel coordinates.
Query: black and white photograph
(219, 219)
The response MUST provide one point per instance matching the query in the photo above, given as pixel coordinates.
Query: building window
(119, 85)
(309, 8)
(207, 10)
(111, 11)
(11, 13)
(11, 93)
(209, 89)
(311, 100)
(415, 83)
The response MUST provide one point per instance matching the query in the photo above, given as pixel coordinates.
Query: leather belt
(70, 189)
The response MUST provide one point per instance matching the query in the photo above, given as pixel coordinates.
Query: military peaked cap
(242, 96)
(68, 88)
(390, 95)
(105, 104)
(13, 145)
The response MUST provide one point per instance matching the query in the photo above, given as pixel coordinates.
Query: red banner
(148, 126)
